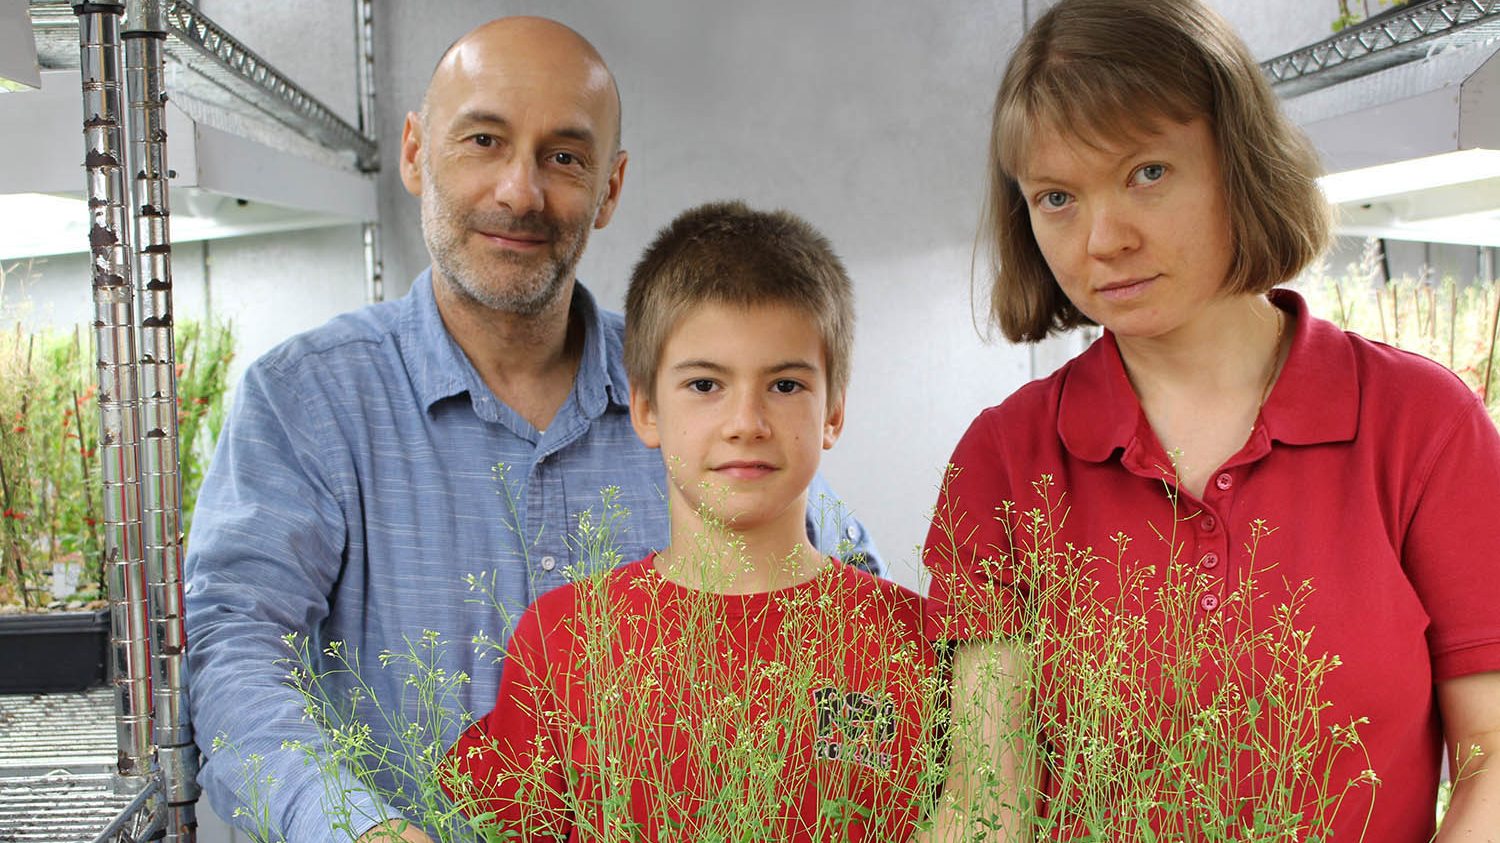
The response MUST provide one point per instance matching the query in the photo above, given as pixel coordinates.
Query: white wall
(1273, 27)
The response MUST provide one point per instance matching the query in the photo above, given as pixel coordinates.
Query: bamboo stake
(1380, 311)
(1489, 360)
(12, 545)
(1452, 323)
(1396, 315)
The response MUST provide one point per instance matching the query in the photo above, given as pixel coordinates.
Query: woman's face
(1137, 231)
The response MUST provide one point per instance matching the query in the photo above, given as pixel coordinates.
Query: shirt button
(1209, 602)
(1208, 523)
(1210, 560)
(852, 531)
(548, 563)
(1224, 481)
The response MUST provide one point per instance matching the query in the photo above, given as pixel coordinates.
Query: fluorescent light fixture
(1412, 175)
(37, 224)
(1452, 197)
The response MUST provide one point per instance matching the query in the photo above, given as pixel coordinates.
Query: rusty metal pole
(364, 40)
(119, 431)
(145, 34)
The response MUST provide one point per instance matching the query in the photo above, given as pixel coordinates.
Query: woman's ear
(643, 416)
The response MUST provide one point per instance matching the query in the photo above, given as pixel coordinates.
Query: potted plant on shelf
(54, 617)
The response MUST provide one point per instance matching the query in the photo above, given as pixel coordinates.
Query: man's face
(514, 161)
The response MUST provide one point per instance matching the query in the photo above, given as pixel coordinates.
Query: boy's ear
(833, 423)
(643, 416)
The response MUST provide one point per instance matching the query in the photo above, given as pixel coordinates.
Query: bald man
(373, 466)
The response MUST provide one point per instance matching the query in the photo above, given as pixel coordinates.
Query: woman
(1222, 501)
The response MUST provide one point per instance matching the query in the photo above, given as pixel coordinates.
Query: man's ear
(411, 153)
(833, 423)
(611, 197)
(643, 416)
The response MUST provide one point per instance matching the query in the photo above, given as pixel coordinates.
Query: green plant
(1091, 652)
(49, 470)
(1456, 325)
(734, 729)
(1236, 745)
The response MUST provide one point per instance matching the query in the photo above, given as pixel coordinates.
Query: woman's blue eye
(1150, 173)
(1054, 199)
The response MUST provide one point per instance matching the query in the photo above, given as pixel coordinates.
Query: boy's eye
(1148, 174)
(786, 386)
(701, 385)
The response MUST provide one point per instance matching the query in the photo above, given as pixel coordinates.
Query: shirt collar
(1315, 400)
(440, 369)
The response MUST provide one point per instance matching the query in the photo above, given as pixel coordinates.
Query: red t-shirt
(1372, 473)
(629, 701)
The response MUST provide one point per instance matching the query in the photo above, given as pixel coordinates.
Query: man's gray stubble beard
(536, 291)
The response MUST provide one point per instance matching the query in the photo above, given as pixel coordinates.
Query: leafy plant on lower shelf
(1124, 771)
(50, 531)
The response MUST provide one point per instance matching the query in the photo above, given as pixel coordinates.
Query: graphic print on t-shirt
(855, 727)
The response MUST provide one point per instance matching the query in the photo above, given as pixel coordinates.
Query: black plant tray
(60, 651)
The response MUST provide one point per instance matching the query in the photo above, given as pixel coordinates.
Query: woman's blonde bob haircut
(1100, 69)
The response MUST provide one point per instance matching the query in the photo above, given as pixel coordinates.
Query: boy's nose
(747, 419)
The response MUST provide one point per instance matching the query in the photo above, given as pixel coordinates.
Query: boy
(736, 684)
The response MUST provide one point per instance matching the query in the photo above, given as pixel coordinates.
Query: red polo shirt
(1376, 473)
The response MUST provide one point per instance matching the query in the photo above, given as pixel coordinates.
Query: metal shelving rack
(1392, 38)
(221, 73)
(131, 55)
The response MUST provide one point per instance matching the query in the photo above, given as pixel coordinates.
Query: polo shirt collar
(1097, 411)
(1315, 400)
(440, 369)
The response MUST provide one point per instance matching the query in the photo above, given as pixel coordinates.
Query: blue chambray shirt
(353, 489)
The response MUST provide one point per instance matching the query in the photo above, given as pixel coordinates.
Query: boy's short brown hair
(726, 253)
(1097, 68)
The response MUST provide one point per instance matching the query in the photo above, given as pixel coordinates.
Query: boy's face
(741, 414)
